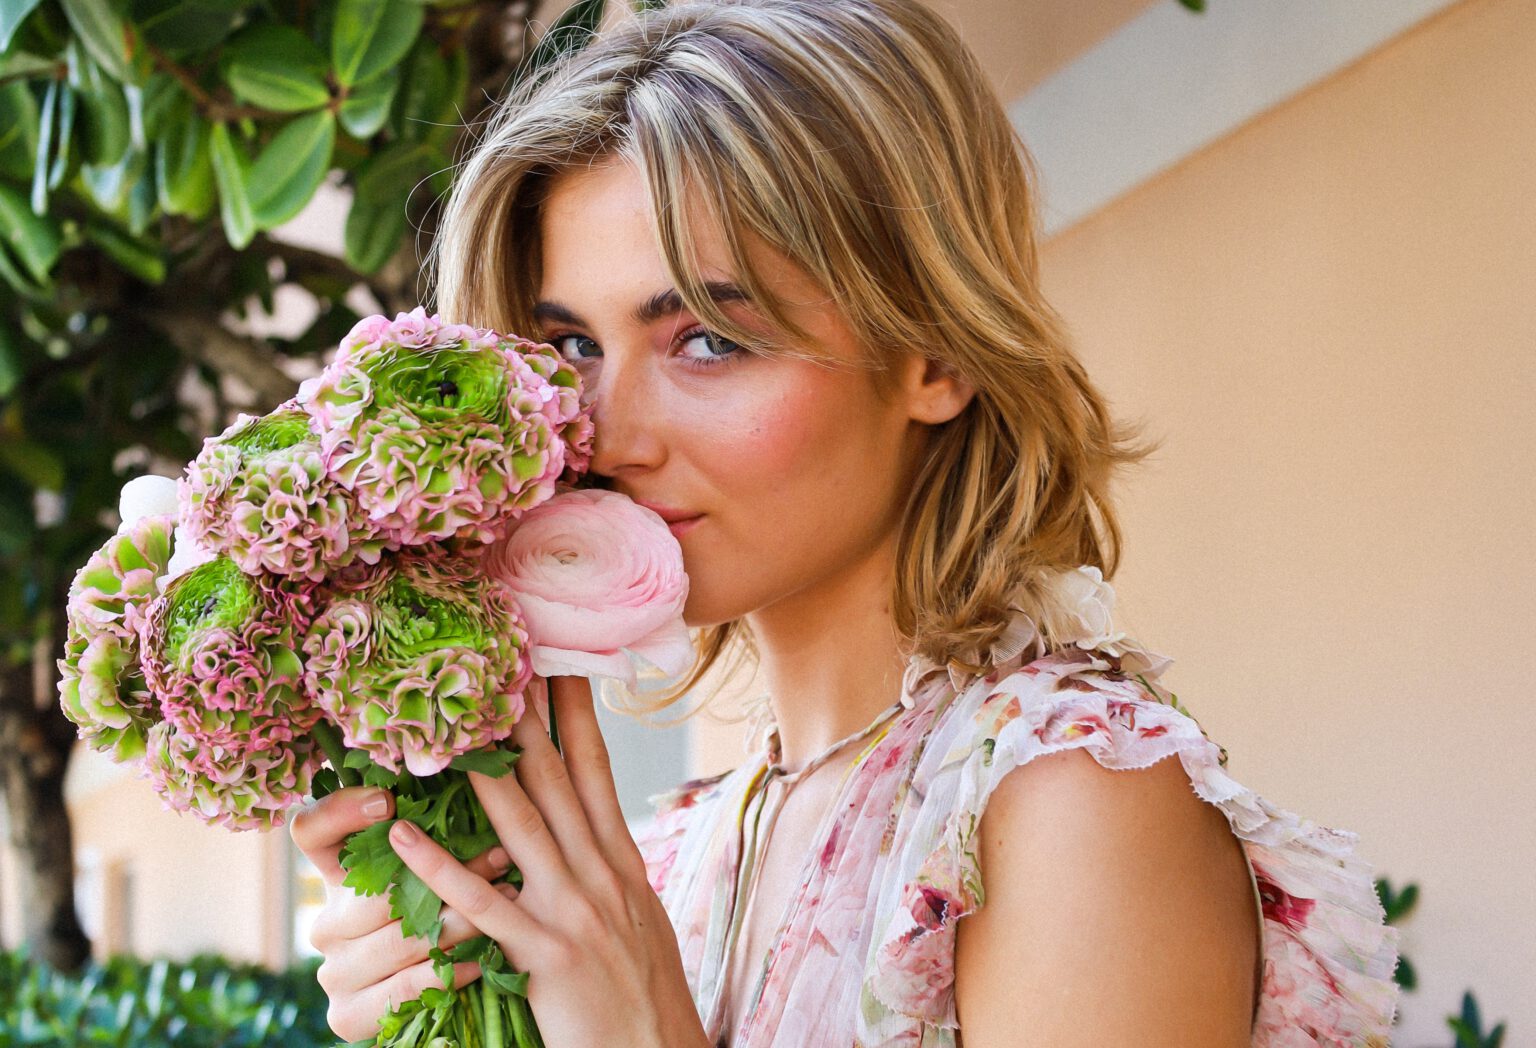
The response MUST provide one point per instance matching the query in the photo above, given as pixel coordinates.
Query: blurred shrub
(206, 1002)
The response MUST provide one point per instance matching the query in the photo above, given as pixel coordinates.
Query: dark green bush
(206, 1002)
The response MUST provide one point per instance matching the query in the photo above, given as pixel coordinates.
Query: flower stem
(554, 729)
(492, 1002)
(335, 752)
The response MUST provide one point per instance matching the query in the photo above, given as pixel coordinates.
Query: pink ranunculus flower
(601, 582)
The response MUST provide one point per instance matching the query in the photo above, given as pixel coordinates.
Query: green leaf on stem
(366, 108)
(34, 241)
(492, 762)
(184, 165)
(377, 221)
(370, 36)
(370, 862)
(142, 259)
(12, 14)
(276, 67)
(416, 905)
(102, 32)
(292, 166)
(230, 172)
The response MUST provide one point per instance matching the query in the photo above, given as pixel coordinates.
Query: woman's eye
(577, 345)
(709, 346)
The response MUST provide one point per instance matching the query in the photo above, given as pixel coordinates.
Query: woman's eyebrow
(662, 304)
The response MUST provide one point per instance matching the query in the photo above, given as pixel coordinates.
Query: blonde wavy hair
(862, 141)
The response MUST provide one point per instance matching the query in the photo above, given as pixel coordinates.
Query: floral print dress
(865, 953)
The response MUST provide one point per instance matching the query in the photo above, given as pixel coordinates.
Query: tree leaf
(12, 14)
(370, 36)
(11, 366)
(111, 185)
(181, 26)
(23, 63)
(292, 166)
(18, 130)
(143, 260)
(107, 126)
(364, 110)
(377, 221)
(44, 159)
(230, 169)
(102, 33)
(34, 240)
(184, 165)
(276, 67)
(64, 135)
(32, 462)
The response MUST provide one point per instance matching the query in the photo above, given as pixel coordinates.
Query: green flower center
(210, 596)
(441, 383)
(412, 622)
(274, 432)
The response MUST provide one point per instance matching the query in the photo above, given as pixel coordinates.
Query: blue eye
(716, 349)
(559, 343)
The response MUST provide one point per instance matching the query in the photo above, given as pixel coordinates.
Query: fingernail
(500, 861)
(403, 833)
(376, 807)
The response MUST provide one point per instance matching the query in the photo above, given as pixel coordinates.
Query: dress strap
(1258, 906)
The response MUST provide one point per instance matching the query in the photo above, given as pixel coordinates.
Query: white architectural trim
(1169, 82)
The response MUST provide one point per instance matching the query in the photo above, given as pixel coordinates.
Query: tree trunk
(35, 743)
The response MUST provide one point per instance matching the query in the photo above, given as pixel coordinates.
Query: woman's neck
(831, 657)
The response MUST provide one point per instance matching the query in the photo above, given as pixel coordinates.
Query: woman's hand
(369, 965)
(602, 958)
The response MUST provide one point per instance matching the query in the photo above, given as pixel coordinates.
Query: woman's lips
(678, 528)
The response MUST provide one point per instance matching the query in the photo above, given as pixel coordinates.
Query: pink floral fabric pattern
(866, 952)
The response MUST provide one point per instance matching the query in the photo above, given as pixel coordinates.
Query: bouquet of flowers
(365, 586)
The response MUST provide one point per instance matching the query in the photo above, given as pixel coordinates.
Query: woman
(790, 245)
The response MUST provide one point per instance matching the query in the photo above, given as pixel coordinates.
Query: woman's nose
(628, 425)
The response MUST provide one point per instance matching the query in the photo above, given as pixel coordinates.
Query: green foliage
(200, 1003)
(1468, 1026)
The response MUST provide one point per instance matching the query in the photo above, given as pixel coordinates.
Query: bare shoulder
(1117, 911)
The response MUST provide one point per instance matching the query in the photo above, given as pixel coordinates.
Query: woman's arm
(1117, 912)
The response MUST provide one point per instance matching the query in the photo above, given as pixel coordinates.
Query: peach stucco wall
(1326, 316)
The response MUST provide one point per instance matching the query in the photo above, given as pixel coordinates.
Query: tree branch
(204, 340)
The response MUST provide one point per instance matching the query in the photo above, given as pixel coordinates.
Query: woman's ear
(935, 393)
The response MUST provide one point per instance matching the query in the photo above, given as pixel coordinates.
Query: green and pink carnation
(220, 652)
(100, 686)
(260, 493)
(419, 661)
(444, 431)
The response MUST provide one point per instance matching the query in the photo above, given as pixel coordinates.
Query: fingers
(355, 1017)
(591, 772)
(470, 894)
(321, 826)
(539, 800)
(371, 958)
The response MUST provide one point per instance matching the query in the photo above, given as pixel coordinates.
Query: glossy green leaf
(12, 14)
(33, 240)
(377, 221)
(18, 130)
(44, 157)
(25, 64)
(276, 67)
(366, 108)
(102, 32)
(107, 132)
(162, 94)
(110, 184)
(184, 166)
(182, 26)
(230, 169)
(143, 260)
(370, 36)
(291, 168)
(64, 135)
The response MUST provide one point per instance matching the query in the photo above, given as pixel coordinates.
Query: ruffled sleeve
(1328, 955)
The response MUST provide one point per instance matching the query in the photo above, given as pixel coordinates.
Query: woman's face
(792, 472)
